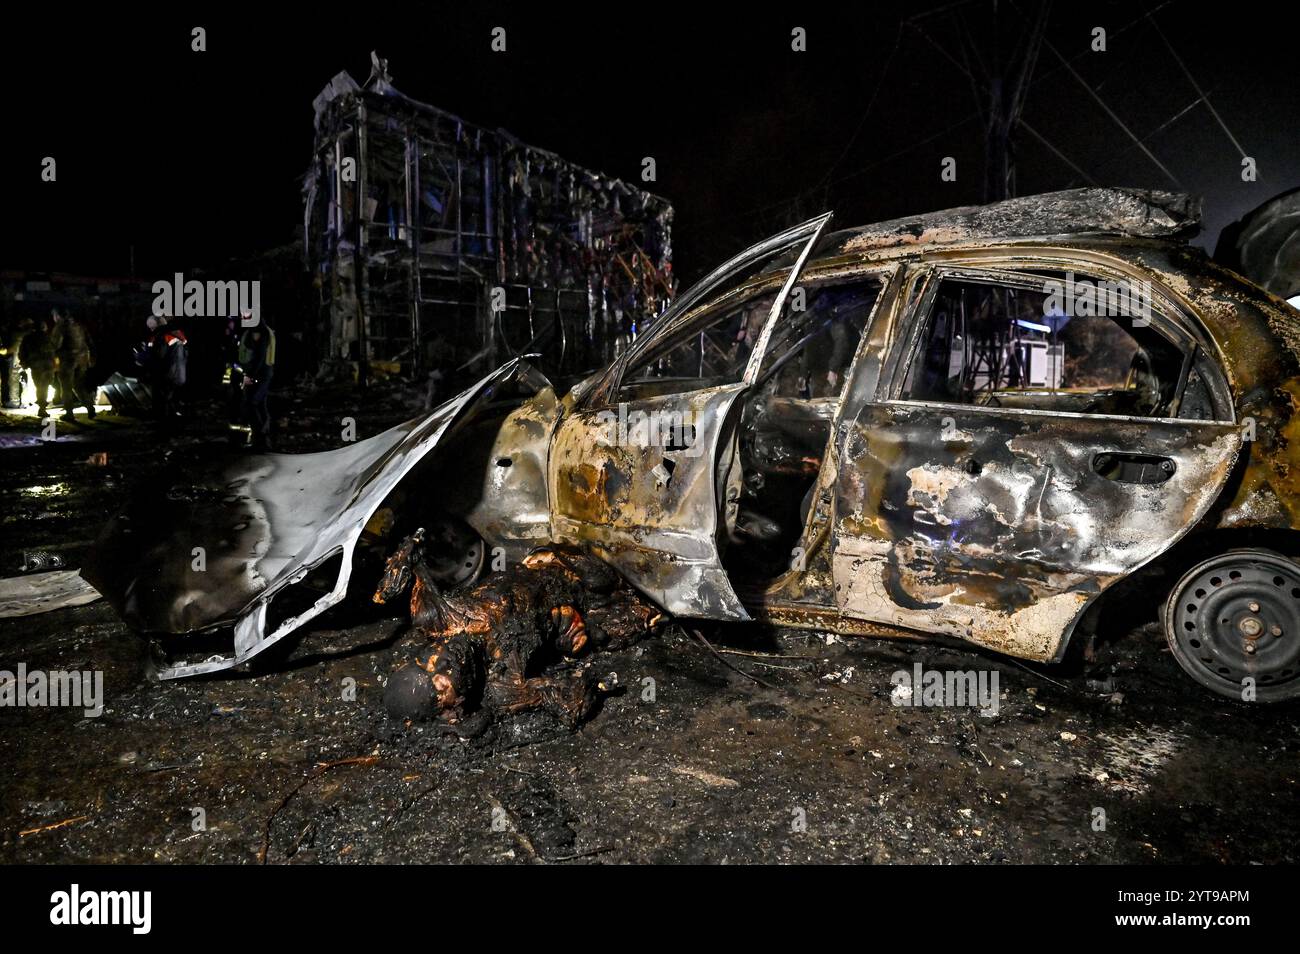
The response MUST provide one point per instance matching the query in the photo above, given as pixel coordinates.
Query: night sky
(193, 158)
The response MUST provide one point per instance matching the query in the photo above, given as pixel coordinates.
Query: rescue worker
(233, 376)
(11, 389)
(37, 354)
(72, 362)
(166, 363)
(257, 362)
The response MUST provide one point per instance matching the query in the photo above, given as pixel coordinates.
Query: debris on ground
(43, 592)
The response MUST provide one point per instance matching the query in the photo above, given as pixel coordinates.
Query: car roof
(1121, 213)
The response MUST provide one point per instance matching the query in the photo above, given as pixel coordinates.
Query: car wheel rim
(454, 553)
(1237, 617)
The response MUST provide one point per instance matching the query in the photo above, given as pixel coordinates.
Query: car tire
(1233, 624)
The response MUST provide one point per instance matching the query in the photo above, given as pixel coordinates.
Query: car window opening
(786, 423)
(1012, 346)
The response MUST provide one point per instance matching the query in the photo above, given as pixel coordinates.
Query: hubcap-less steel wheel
(1237, 617)
(454, 553)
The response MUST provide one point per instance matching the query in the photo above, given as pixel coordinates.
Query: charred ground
(718, 765)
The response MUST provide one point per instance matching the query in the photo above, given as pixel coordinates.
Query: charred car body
(973, 424)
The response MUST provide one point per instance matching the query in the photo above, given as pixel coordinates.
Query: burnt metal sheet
(997, 527)
(495, 478)
(1139, 213)
(1255, 339)
(651, 507)
(43, 592)
(261, 523)
(126, 393)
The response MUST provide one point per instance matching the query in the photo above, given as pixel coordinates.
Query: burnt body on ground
(692, 761)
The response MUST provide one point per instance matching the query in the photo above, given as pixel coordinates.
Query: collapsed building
(442, 248)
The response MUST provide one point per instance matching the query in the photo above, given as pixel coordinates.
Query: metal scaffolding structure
(441, 246)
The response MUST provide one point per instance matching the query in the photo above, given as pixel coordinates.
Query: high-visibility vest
(246, 353)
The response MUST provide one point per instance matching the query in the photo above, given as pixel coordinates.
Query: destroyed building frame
(439, 245)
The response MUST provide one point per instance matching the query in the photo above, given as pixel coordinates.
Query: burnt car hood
(215, 548)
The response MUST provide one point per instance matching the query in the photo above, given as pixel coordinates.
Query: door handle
(1125, 468)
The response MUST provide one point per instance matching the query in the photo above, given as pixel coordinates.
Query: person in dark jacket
(165, 359)
(257, 362)
(232, 374)
(38, 354)
(72, 362)
(11, 389)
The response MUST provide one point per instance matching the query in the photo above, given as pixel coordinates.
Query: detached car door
(641, 464)
(1022, 453)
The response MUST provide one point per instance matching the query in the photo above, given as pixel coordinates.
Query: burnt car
(978, 424)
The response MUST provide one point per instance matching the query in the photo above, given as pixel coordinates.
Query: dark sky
(196, 157)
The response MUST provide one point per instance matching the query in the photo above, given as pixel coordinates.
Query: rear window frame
(1166, 319)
